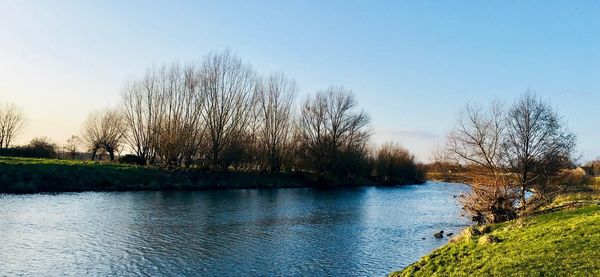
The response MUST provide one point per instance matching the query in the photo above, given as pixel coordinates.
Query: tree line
(220, 114)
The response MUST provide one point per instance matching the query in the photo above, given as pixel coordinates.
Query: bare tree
(509, 153)
(228, 85)
(330, 126)
(162, 112)
(276, 96)
(72, 145)
(476, 142)
(394, 163)
(193, 131)
(12, 122)
(179, 109)
(140, 115)
(249, 153)
(104, 130)
(538, 146)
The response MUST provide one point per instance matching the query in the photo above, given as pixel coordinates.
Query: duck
(439, 234)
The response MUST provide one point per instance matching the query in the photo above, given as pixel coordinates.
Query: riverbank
(563, 243)
(447, 177)
(30, 175)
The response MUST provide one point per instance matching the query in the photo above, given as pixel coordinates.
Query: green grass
(24, 175)
(29, 175)
(564, 243)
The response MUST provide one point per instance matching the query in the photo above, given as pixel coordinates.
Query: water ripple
(291, 232)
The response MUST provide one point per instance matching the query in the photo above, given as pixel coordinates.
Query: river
(367, 231)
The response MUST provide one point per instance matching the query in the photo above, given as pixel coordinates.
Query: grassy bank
(563, 243)
(27, 175)
(446, 177)
(589, 193)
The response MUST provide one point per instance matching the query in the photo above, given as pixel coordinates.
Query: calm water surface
(363, 231)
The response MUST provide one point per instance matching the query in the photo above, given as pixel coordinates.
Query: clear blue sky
(411, 64)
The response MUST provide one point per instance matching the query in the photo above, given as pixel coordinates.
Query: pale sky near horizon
(412, 65)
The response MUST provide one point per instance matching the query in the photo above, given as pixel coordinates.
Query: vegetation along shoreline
(34, 175)
(213, 123)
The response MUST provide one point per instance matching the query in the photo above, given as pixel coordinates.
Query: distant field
(590, 193)
(55, 162)
(446, 177)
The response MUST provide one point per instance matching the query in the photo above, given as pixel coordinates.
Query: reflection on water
(362, 231)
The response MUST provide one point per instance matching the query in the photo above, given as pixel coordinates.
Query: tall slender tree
(12, 122)
(538, 145)
(228, 85)
(275, 96)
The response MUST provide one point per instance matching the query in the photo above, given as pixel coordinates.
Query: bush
(490, 204)
(37, 148)
(132, 159)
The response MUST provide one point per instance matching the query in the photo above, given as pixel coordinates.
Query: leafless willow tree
(162, 112)
(395, 163)
(332, 131)
(42, 147)
(12, 122)
(104, 130)
(220, 114)
(538, 147)
(181, 113)
(228, 86)
(180, 107)
(476, 142)
(140, 111)
(275, 97)
(72, 145)
(247, 152)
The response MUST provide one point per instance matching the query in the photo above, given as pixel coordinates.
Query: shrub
(38, 148)
(132, 159)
